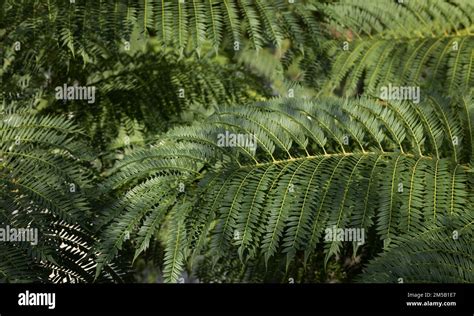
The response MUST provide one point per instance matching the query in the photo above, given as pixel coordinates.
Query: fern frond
(182, 24)
(44, 186)
(437, 255)
(317, 165)
(403, 44)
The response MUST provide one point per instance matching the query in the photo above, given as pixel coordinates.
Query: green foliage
(155, 91)
(155, 184)
(414, 43)
(43, 186)
(435, 256)
(181, 24)
(277, 202)
(141, 88)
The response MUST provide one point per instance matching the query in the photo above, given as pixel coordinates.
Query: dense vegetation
(222, 140)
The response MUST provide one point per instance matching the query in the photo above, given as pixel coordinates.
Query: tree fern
(319, 164)
(413, 43)
(437, 255)
(44, 185)
(244, 190)
(180, 23)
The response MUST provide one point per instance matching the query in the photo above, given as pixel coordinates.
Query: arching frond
(414, 43)
(287, 171)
